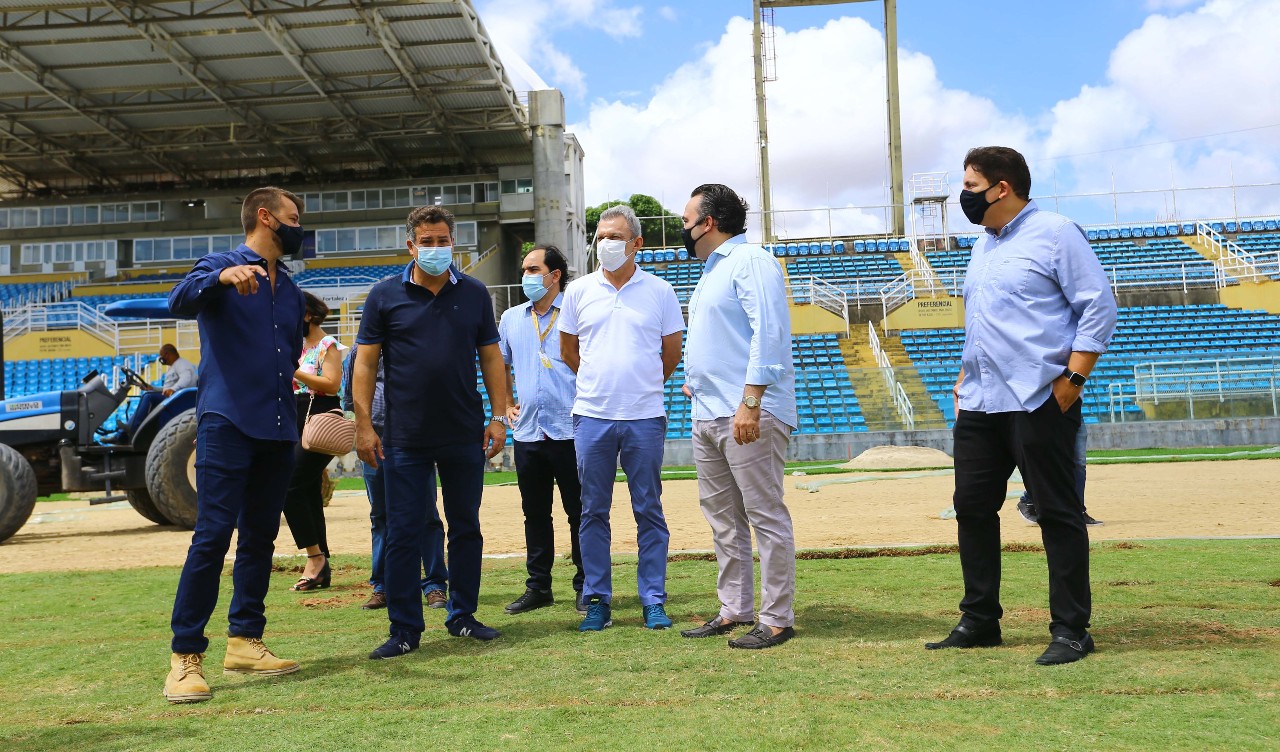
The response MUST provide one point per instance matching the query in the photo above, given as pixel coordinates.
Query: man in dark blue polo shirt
(429, 325)
(250, 316)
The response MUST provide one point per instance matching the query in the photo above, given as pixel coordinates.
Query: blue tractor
(52, 443)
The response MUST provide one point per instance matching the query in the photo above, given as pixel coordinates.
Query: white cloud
(667, 13)
(1176, 78)
(526, 26)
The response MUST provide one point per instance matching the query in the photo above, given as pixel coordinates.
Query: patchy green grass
(1188, 658)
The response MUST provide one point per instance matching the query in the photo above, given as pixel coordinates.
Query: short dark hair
(168, 348)
(724, 206)
(318, 309)
(268, 198)
(996, 163)
(428, 215)
(554, 258)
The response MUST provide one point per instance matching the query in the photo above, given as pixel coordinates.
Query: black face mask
(290, 236)
(975, 204)
(689, 241)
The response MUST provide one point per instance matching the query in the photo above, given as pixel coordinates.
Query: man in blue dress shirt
(1038, 313)
(542, 423)
(739, 373)
(250, 315)
(429, 325)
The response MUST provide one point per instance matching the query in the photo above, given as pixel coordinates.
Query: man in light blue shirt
(542, 423)
(1038, 313)
(740, 376)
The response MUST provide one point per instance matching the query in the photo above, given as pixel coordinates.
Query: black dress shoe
(762, 637)
(530, 600)
(964, 636)
(717, 626)
(1066, 650)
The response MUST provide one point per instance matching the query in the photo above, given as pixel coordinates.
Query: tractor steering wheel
(134, 378)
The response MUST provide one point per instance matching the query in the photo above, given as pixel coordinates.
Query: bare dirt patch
(1178, 500)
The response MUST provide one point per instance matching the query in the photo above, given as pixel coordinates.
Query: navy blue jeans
(405, 475)
(242, 483)
(435, 573)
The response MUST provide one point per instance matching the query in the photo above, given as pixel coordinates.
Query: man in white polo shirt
(621, 331)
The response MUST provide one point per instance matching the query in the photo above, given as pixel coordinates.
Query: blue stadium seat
(1092, 235)
(859, 246)
(838, 246)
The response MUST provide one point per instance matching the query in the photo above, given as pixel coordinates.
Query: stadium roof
(113, 95)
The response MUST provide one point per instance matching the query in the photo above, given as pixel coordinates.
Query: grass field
(1188, 658)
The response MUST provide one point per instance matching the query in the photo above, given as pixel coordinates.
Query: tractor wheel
(17, 491)
(171, 470)
(141, 502)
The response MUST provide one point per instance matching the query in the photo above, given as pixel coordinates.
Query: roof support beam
(45, 148)
(198, 72)
(297, 57)
(481, 38)
(392, 47)
(55, 87)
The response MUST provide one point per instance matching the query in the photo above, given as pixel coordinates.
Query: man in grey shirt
(181, 375)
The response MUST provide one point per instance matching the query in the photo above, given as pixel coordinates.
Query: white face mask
(612, 254)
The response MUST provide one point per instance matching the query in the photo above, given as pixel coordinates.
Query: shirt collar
(251, 257)
(727, 246)
(634, 277)
(1008, 229)
(407, 277)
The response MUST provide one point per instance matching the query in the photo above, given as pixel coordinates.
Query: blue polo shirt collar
(408, 275)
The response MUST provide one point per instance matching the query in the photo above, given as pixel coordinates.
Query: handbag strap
(311, 402)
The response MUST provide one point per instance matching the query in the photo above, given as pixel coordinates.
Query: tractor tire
(171, 474)
(141, 502)
(17, 491)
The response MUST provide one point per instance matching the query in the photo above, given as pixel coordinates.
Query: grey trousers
(741, 490)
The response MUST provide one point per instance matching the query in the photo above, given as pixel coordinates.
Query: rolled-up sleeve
(1084, 282)
(762, 292)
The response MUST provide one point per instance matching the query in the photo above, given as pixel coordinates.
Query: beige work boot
(185, 682)
(247, 655)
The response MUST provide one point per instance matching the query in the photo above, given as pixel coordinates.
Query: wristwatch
(751, 402)
(1075, 378)
(500, 419)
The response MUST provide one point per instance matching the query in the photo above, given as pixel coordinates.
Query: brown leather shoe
(437, 599)
(376, 601)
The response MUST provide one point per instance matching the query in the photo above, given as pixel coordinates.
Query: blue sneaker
(395, 647)
(467, 626)
(655, 617)
(599, 616)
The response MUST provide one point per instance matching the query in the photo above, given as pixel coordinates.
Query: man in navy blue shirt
(250, 317)
(429, 325)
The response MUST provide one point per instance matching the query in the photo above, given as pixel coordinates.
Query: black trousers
(304, 502)
(540, 466)
(1041, 444)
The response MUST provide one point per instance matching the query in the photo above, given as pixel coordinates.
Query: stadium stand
(824, 394)
(23, 377)
(1144, 334)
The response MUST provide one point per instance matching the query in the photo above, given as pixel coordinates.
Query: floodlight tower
(763, 63)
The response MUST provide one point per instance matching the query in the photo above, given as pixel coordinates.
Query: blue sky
(1146, 97)
(1065, 45)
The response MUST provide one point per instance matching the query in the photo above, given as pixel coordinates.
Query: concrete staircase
(927, 414)
(875, 397)
(926, 281)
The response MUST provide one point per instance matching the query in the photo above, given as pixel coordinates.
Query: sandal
(321, 580)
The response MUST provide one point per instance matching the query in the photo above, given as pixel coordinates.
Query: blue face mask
(533, 288)
(434, 261)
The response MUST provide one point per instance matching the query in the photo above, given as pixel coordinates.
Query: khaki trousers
(741, 490)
